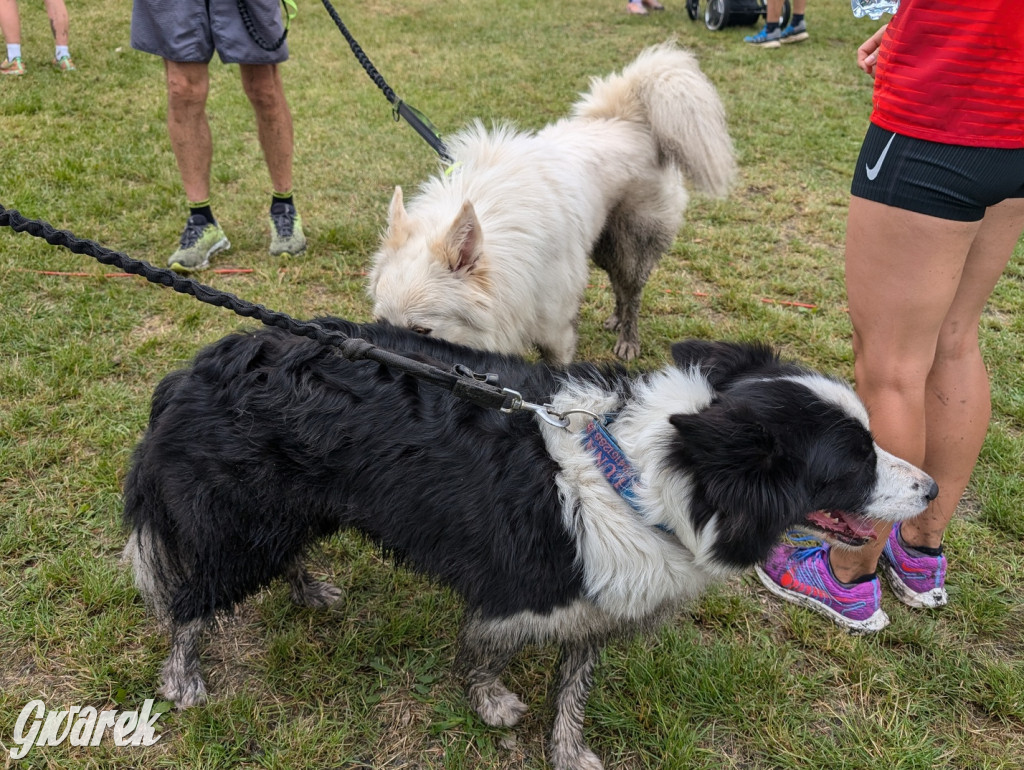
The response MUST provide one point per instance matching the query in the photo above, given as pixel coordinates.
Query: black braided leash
(480, 389)
(257, 38)
(420, 123)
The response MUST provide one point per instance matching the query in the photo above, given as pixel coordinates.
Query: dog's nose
(932, 493)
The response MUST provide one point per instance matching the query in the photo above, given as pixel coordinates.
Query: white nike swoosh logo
(872, 171)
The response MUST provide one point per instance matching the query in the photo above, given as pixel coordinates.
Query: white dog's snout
(902, 490)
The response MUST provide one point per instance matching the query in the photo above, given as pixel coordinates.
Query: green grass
(735, 681)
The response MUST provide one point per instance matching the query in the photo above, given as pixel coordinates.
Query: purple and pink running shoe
(802, 575)
(917, 579)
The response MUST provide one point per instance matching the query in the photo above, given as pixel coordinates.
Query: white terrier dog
(493, 253)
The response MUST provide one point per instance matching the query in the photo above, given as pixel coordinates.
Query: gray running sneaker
(765, 39)
(286, 236)
(200, 240)
(793, 34)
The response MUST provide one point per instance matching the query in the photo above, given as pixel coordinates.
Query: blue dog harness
(613, 463)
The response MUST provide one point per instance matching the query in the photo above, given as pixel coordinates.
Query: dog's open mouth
(841, 525)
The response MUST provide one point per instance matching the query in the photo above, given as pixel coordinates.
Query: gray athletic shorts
(191, 30)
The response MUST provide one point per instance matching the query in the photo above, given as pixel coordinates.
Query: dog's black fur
(269, 442)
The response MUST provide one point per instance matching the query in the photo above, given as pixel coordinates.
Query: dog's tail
(664, 89)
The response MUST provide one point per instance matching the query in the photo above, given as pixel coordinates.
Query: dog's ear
(398, 221)
(463, 243)
(744, 467)
(721, 362)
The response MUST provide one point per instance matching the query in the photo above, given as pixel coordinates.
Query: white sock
(62, 52)
(13, 51)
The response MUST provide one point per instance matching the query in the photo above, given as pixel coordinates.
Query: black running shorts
(941, 180)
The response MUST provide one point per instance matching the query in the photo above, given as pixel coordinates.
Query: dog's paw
(496, 704)
(317, 594)
(627, 350)
(185, 692)
(579, 758)
(612, 324)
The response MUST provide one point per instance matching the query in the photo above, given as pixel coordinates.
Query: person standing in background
(185, 34)
(10, 28)
(772, 35)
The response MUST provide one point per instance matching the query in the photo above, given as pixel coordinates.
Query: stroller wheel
(716, 15)
(693, 9)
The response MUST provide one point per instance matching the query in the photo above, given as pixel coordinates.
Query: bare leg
(916, 286)
(188, 84)
(10, 22)
(568, 749)
(59, 25)
(262, 84)
(957, 398)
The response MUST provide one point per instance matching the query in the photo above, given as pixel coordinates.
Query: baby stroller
(733, 13)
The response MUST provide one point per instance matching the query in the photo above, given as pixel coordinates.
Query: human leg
(796, 30)
(59, 24)
(770, 35)
(188, 84)
(264, 88)
(902, 271)
(917, 363)
(957, 399)
(10, 22)
(262, 84)
(10, 28)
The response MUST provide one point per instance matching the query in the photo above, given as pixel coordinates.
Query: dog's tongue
(838, 521)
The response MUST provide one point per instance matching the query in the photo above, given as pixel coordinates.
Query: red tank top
(953, 72)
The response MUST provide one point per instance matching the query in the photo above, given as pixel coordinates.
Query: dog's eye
(422, 330)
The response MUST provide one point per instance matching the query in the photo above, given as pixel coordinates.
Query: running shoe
(12, 66)
(200, 240)
(765, 39)
(286, 236)
(793, 34)
(64, 64)
(802, 575)
(917, 579)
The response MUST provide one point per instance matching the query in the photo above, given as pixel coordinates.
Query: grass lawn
(735, 681)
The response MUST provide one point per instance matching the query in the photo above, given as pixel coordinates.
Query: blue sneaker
(765, 39)
(803, 576)
(793, 34)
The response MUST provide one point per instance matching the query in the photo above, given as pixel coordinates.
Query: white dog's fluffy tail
(665, 90)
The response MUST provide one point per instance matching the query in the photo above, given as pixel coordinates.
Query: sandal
(636, 8)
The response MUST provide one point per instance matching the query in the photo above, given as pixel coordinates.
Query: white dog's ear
(463, 243)
(398, 221)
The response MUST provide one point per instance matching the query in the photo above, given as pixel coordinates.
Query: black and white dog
(269, 442)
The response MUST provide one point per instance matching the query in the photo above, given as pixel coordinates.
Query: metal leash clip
(545, 412)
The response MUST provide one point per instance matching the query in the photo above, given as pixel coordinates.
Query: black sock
(924, 550)
(282, 198)
(771, 26)
(202, 208)
(855, 581)
(796, 20)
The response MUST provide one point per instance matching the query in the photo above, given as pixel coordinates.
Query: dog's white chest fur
(631, 568)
